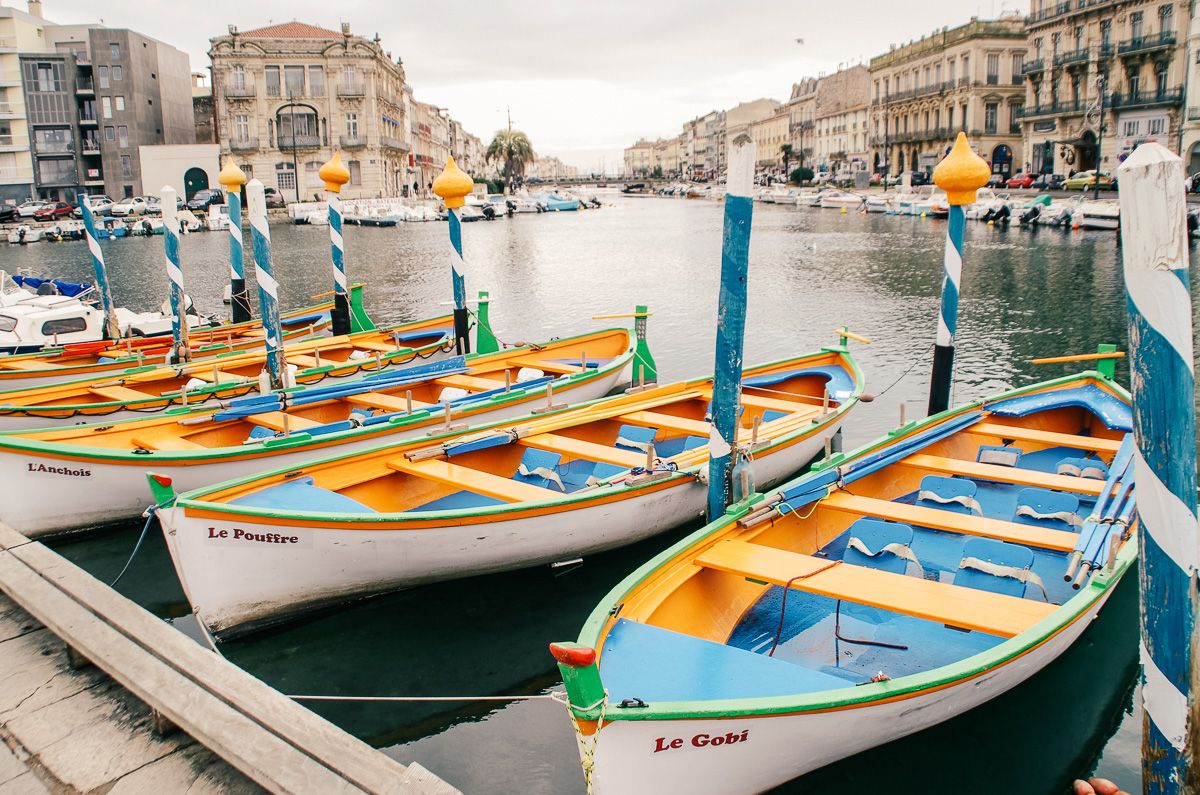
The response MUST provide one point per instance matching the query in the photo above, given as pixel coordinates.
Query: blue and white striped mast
(179, 325)
(232, 179)
(731, 322)
(453, 186)
(960, 174)
(112, 329)
(268, 288)
(335, 175)
(1154, 242)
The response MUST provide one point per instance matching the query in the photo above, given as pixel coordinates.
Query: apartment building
(967, 78)
(286, 96)
(802, 112)
(639, 158)
(770, 134)
(841, 110)
(1126, 61)
(19, 32)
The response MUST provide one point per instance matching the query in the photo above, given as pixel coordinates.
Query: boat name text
(261, 538)
(701, 740)
(42, 468)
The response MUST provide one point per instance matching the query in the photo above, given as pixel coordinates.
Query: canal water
(1024, 294)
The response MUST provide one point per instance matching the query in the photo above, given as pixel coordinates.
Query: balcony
(239, 92)
(388, 142)
(1144, 44)
(1072, 57)
(1105, 51)
(88, 121)
(85, 87)
(8, 111)
(54, 148)
(1146, 99)
(352, 141)
(244, 145)
(1063, 9)
(1054, 109)
(351, 89)
(90, 148)
(288, 142)
(83, 58)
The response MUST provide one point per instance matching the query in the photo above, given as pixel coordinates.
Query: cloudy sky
(583, 79)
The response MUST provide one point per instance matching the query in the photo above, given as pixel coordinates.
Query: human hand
(1097, 786)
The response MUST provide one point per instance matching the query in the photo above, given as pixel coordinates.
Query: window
(1160, 78)
(1166, 18)
(349, 77)
(285, 177)
(937, 73)
(316, 81)
(989, 118)
(1130, 128)
(103, 70)
(122, 136)
(1018, 64)
(45, 77)
(127, 191)
(964, 116)
(106, 106)
(116, 74)
(114, 50)
(1158, 126)
(1135, 82)
(351, 125)
(239, 76)
(241, 127)
(1105, 32)
(966, 70)
(1054, 42)
(110, 133)
(951, 65)
(120, 102)
(311, 178)
(993, 69)
(1014, 124)
(937, 118)
(305, 127)
(355, 172)
(293, 80)
(271, 77)
(56, 171)
(1037, 49)
(64, 325)
(1078, 37)
(126, 166)
(1075, 88)
(1135, 24)
(53, 140)
(950, 117)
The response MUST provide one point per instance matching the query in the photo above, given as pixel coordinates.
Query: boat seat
(300, 494)
(578, 448)
(1092, 468)
(469, 382)
(1001, 474)
(591, 363)
(1050, 438)
(669, 448)
(165, 442)
(995, 566)
(880, 544)
(999, 455)
(540, 468)
(302, 320)
(654, 419)
(965, 608)
(118, 394)
(462, 477)
(379, 400)
(771, 415)
(949, 494)
(274, 421)
(458, 501)
(1045, 508)
(427, 334)
(635, 437)
(543, 366)
(936, 519)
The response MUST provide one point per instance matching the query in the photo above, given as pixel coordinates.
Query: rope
(783, 604)
(145, 529)
(587, 746)
(901, 378)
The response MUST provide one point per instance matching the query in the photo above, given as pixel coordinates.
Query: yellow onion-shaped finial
(334, 174)
(961, 173)
(453, 185)
(231, 177)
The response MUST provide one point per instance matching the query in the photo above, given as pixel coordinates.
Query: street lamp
(291, 107)
(1101, 84)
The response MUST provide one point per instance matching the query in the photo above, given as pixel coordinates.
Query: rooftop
(291, 30)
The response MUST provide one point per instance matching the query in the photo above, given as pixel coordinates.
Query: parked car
(1019, 180)
(205, 199)
(100, 204)
(1049, 182)
(274, 198)
(134, 205)
(154, 205)
(53, 211)
(8, 213)
(27, 209)
(1088, 179)
(997, 181)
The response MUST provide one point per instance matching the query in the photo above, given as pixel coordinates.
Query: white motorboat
(1103, 214)
(837, 200)
(27, 234)
(876, 204)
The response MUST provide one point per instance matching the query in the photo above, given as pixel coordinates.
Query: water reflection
(1025, 294)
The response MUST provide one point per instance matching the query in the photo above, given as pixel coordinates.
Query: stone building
(1133, 54)
(967, 78)
(430, 143)
(802, 113)
(840, 115)
(288, 95)
(769, 135)
(1190, 137)
(639, 159)
(666, 156)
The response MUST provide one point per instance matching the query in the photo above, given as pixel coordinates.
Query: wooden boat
(555, 488)
(82, 476)
(138, 392)
(92, 359)
(888, 590)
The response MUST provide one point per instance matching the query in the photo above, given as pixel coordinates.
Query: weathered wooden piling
(334, 174)
(1154, 242)
(232, 179)
(112, 329)
(453, 186)
(961, 173)
(180, 352)
(731, 322)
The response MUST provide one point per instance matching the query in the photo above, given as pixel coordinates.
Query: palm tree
(512, 148)
(787, 152)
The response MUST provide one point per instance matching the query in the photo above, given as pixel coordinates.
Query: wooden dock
(65, 726)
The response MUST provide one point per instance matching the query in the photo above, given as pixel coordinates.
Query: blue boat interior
(803, 639)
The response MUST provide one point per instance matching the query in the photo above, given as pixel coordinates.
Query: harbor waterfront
(1025, 293)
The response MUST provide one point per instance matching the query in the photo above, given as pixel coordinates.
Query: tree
(512, 149)
(787, 152)
(801, 175)
(657, 173)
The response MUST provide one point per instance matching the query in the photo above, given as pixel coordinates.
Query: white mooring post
(1154, 240)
